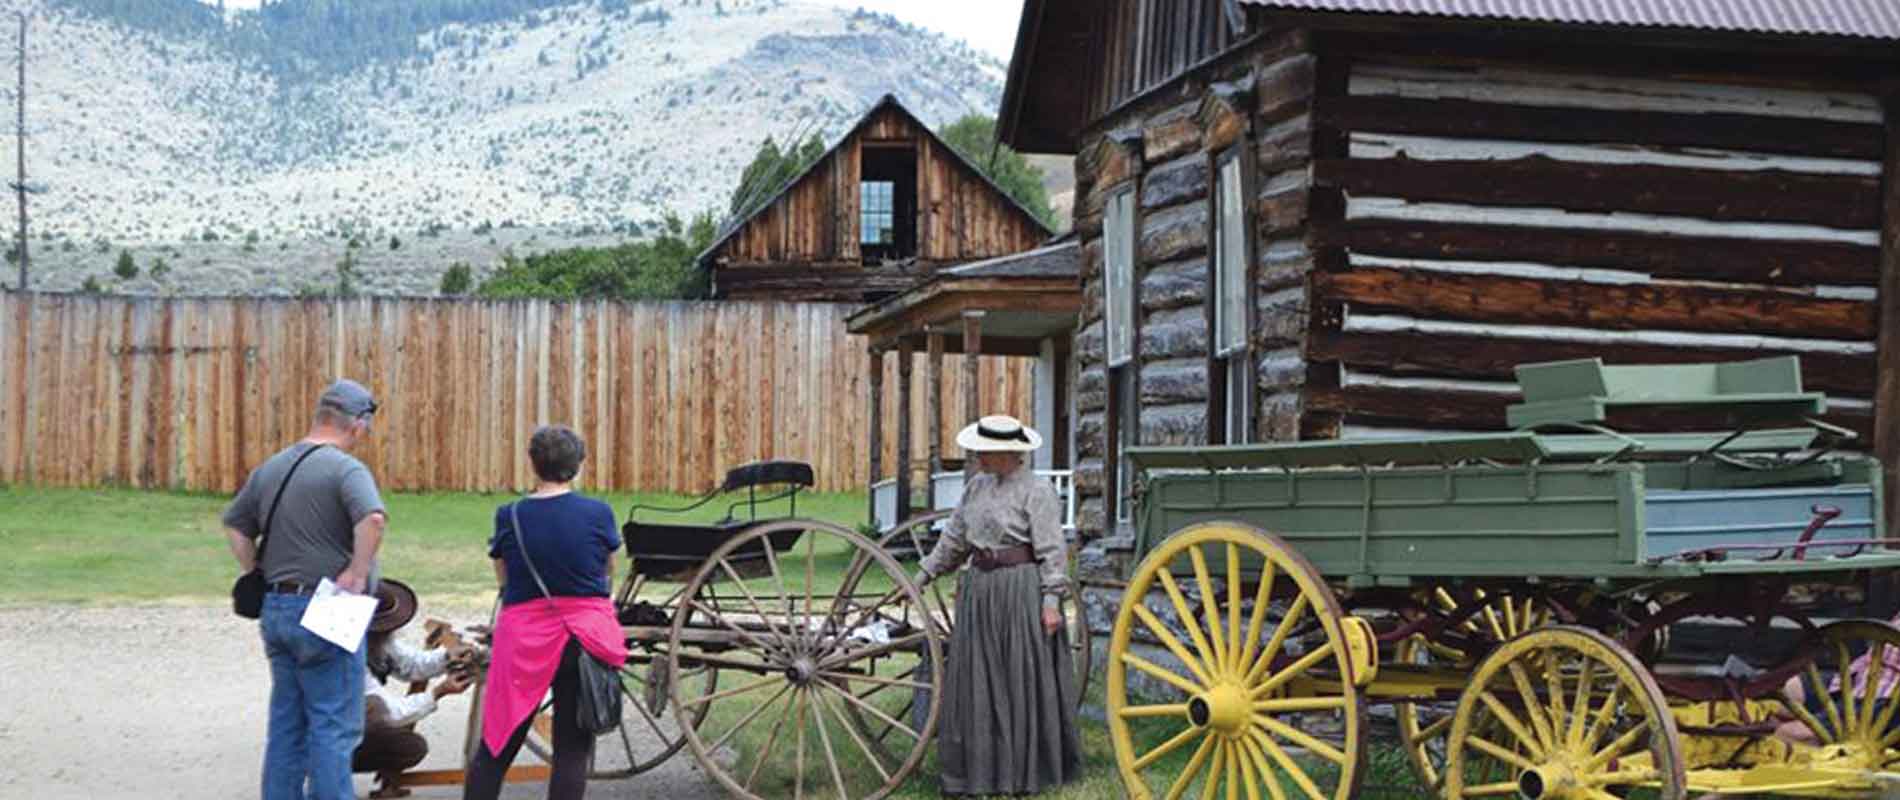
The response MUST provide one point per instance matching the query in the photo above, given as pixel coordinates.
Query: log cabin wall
(805, 243)
(1489, 213)
(1164, 149)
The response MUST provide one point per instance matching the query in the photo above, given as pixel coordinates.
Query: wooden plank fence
(191, 393)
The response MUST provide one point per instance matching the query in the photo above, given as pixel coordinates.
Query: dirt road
(169, 701)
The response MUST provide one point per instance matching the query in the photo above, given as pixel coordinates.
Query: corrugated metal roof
(1876, 19)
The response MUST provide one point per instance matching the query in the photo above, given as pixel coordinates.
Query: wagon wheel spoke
(1211, 608)
(1257, 759)
(770, 740)
(800, 639)
(1185, 614)
(768, 619)
(721, 740)
(1193, 768)
(870, 754)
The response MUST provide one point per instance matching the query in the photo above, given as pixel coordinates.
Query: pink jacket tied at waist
(527, 648)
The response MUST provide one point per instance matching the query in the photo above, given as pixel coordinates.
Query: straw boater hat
(999, 433)
(395, 606)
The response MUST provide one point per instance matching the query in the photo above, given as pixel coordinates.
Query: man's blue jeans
(316, 706)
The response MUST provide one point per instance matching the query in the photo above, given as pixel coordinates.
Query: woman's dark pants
(573, 747)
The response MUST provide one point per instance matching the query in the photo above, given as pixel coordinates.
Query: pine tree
(126, 268)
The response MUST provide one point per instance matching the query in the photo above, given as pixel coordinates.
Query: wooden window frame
(1122, 369)
(1230, 368)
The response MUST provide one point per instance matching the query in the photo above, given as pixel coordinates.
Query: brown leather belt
(292, 587)
(988, 560)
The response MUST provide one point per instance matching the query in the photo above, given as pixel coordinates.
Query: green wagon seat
(1586, 391)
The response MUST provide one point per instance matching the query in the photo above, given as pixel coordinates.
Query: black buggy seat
(761, 473)
(670, 548)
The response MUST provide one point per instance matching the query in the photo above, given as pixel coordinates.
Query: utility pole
(19, 185)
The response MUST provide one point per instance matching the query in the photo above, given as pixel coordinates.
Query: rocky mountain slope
(576, 124)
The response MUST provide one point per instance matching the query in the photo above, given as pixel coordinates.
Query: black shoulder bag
(599, 706)
(247, 595)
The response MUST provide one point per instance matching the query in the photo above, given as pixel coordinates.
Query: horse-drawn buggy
(791, 656)
(1508, 600)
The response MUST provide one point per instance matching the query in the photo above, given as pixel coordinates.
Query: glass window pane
(876, 216)
(1231, 260)
(1119, 288)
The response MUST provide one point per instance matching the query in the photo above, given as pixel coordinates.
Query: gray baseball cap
(349, 397)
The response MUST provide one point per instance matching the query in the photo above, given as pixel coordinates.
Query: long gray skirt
(1008, 713)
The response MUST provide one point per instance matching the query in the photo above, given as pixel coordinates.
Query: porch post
(935, 402)
(972, 348)
(877, 429)
(906, 353)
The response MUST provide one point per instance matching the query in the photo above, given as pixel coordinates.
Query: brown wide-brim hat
(395, 606)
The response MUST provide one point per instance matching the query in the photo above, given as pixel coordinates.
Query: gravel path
(169, 701)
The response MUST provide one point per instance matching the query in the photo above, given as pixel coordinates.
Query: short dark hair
(557, 452)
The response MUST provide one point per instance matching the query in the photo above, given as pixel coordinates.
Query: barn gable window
(1230, 397)
(875, 216)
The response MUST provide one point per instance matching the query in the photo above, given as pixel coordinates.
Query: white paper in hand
(339, 616)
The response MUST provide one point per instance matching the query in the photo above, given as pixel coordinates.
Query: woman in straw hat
(1008, 724)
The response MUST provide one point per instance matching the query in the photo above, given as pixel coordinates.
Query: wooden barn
(887, 206)
(1310, 219)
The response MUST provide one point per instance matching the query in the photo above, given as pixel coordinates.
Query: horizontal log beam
(1502, 299)
(1482, 120)
(1495, 357)
(1839, 201)
(1461, 410)
(1661, 255)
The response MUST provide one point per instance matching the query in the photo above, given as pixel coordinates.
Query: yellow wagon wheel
(1423, 725)
(1851, 690)
(1563, 713)
(1259, 696)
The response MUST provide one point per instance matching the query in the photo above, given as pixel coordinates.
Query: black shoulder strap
(264, 536)
(515, 515)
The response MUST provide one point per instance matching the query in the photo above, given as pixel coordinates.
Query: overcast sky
(988, 25)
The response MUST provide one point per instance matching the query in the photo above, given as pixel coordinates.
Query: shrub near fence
(190, 393)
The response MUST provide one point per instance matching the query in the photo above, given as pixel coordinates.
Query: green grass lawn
(104, 546)
(115, 546)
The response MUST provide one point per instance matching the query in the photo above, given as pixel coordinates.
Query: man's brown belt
(987, 560)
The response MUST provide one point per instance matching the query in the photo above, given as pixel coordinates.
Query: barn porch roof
(1023, 298)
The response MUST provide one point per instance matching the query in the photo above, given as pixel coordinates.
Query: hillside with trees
(252, 152)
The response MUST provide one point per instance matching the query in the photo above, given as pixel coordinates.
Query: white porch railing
(946, 490)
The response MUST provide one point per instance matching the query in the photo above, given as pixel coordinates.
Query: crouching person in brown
(390, 742)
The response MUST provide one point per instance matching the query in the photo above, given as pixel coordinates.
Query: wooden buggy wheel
(1423, 725)
(811, 651)
(1849, 692)
(650, 726)
(1262, 695)
(1563, 713)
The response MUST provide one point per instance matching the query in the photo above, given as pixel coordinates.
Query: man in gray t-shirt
(328, 523)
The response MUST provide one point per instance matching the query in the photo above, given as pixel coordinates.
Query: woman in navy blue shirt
(569, 539)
